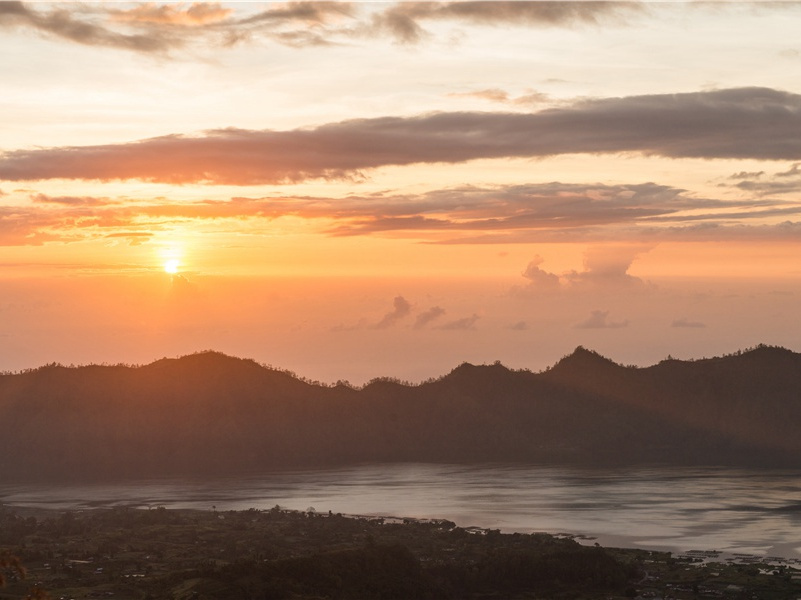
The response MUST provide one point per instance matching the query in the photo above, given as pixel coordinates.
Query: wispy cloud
(552, 212)
(428, 316)
(404, 20)
(755, 123)
(162, 28)
(463, 324)
(764, 184)
(71, 200)
(530, 98)
(73, 24)
(686, 323)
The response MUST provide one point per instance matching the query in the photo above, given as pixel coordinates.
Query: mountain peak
(583, 358)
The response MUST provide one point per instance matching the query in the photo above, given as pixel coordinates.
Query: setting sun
(171, 266)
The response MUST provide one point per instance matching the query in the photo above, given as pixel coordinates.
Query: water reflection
(732, 510)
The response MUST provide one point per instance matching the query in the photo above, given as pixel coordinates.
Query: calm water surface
(731, 510)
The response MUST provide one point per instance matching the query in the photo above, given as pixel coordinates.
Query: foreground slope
(210, 414)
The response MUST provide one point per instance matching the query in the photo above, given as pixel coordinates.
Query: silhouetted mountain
(211, 414)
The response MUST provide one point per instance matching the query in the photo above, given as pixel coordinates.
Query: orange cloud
(197, 13)
(544, 212)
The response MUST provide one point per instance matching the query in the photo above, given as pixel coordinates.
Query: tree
(11, 565)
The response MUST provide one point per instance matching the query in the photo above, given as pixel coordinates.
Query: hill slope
(210, 414)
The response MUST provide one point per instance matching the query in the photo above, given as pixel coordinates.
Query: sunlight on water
(732, 510)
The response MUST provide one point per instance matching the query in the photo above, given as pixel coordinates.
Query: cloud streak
(762, 184)
(427, 316)
(756, 123)
(404, 21)
(159, 29)
(686, 323)
(154, 28)
(553, 212)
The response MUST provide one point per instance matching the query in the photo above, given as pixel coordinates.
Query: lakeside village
(158, 554)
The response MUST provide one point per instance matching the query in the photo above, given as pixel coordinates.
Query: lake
(730, 510)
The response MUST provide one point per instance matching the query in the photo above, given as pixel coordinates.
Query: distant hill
(210, 414)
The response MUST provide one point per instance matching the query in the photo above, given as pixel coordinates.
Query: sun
(171, 265)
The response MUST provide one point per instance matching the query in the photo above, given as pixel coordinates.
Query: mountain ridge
(209, 414)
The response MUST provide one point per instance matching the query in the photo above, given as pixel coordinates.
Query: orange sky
(357, 189)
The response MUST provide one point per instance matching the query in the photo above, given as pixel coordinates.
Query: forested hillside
(210, 414)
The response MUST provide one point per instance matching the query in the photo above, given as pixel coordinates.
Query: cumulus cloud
(755, 123)
(679, 323)
(400, 310)
(607, 266)
(539, 278)
(599, 319)
(427, 316)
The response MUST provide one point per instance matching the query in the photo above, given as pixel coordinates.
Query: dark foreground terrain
(128, 554)
(208, 414)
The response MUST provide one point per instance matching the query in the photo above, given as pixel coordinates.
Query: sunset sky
(352, 190)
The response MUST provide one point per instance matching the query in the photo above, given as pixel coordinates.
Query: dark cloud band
(755, 123)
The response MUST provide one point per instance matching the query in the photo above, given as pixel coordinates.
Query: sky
(355, 190)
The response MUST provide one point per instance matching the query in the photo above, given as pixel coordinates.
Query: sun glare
(171, 265)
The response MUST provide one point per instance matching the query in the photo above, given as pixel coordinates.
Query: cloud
(794, 171)
(538, 278)
(599, 319)
(403, 21)
(308, 13)
(466, 323)
(757, 123)
(70, 200)
(764, 184)
(519, 326)
(607, 266)
(197, 13)
(747, 175)
(401, 309)
(502, 97)
(426, 317)
(134, 238)
(687, 324)
(62, 23)
(526, 213)
(153, 28)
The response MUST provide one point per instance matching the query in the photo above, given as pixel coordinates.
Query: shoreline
(609, 541)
